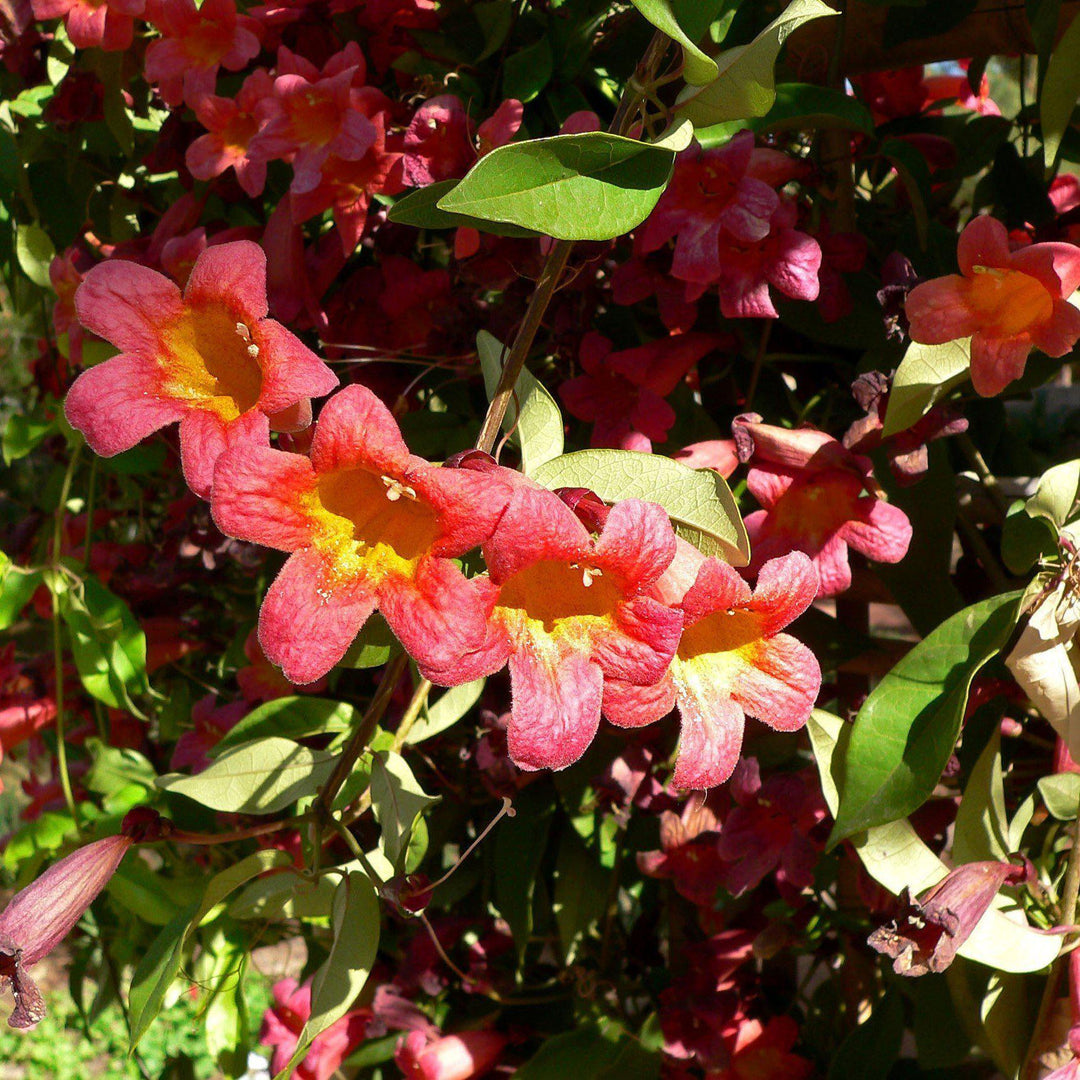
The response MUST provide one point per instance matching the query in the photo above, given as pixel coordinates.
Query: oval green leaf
(698, 501)
(1060, 89)
(260, 777)
(925, 375)
(593, 186)
(419, 208)
(698, 68)
(907, 727)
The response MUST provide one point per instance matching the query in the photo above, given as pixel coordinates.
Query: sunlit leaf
(925, 375)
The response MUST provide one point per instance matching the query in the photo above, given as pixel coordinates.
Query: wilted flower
(209, 358)
(40, 916)
(1007, 302)
(462, 1056)
(926, 934)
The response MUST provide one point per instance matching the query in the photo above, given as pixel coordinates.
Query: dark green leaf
(805, 107)
(290, 718)
(593, 186)
(1060, 89)
(420, 209)
(907, 727)
(698, 68)
(24, 434)
(520, 843)
(906, 23)
(527, 71)
(16, 587)
(396, 800)
(870, 1050)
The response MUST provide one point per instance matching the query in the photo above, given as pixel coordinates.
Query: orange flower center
(315, 118)
(238, 132)
(811, 510)
(721, 632)
(1008, 301)
(559, 597)
(207, 42)
(373, 524)
(211, 359)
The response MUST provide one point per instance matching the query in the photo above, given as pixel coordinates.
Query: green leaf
(260, 777)
(290, 718)
(145, 893)
(925, 375)
(160, 964)
(24, 434)
(591, 1052)
(698, 501)
(1061, 793)
(914, 174)
(982, 826)
(108, 645)
(532, 414)
(870, 1051)
(396, 800)
(896, 857)
(805, 107)
(284, 896)
(16, 587)
(420, 209)
(581, 887)
(527, 71)
(1060, 89)
(907, 727)
(1057, 493)
(35, 252)
(520, 843)
(355, 924)
(593, 186)
(698, 68)
(745, 85)
(114, 769)
(446, 711)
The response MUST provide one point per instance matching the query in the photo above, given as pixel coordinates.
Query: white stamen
(253, 351)
(243, 331)
(587, 575)
(395, 489)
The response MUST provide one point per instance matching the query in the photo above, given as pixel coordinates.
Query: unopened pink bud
(453, 1057)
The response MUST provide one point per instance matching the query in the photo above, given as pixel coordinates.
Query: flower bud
(453, 1057)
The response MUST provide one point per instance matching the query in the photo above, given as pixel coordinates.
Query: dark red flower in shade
(1007, 302)
(762, 1051)
(570, 611)
(40, 916)
(908, 457)
(65, 276)
(927, 932)
(261, 681)
(209, 358)
(284, 1021)
(195, 42)
(622, 393)
(732, 661)
(231, 126)
(24, 710)
(369, 526)
(818, 498)
(841, 253)
(636, 280)
(103, 24)
(210, 723)
(768, 829)
(463, 1056)
(689, 854)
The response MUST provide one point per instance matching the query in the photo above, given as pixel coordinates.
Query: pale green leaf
(446, 710)
(593, 186)
(698, 501)
(925, 375)
(260, 777)
(746, 85)
(532, 415)
(296, 717)
(396, 800)
(1061, 794)
(698, 68)
(982, 826)
(334, 989)
(35, 252)
(1056, 494)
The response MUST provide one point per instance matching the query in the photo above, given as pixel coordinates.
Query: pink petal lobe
(630, 706)
(1060, 334)
(882, 533)
(536, 526)
(235, 273)
(118, 403)
(638, 539)
(712, 727)
(355, 429)
(291, 371)
(205, 436)
(780, 684)
(309, 619)
(938, 311)
(985, 242)
(785, 588)
(556, 692)
(126, 304)
(717, 587)
(996, 362)
(640, 646)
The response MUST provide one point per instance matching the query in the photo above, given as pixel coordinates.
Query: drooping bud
(926, 934)
(791, 448)
(40, 916)
(588, 507)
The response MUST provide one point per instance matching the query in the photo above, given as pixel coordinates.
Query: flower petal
(234, 273)
(984, 242)
(116, 404)
(205, 436)
(712, 726)
(640, 646)
(469, 505)
(717, 587)
(309, 619)
(629, 706)
(126, 304)
(637, 541)
(779, 683)
(291, 372)
(785, 588)
(996, 362)
(355, 430)
(938, 311)
(882, 533)
(536, 526)
(555, 714)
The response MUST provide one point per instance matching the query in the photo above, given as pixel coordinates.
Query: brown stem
(264, 828)
(362, 735)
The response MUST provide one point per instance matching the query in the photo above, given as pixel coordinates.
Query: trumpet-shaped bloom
(369, 527)
(1007, 302)
(732, 662)
(570, 611)
(818, 498)
(209, 358)
(463, 1056)
(231, 125)
(195, 42)
(105, 24)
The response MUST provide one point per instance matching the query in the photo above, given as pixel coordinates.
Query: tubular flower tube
(209, 358)
(369, 526)
(732, 662)
(463, 1056)
(1007, 302)
(570, 610)
(40, 916)
(818, 498)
